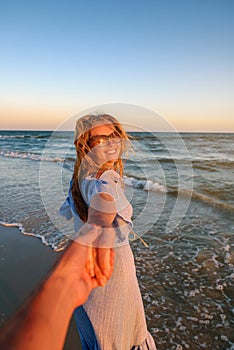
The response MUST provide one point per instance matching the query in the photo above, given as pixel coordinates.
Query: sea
(181, 188)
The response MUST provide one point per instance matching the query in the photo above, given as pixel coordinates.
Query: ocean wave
(146, 185)
(45, 136)
(28, 155)
(212, 201)
(12, 136)
(201, 164)
(145, 159)
(22, 230)
(211, 164)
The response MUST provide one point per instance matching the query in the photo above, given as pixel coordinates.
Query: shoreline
(24, 263)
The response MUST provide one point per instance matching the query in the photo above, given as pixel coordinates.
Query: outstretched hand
(76, 264)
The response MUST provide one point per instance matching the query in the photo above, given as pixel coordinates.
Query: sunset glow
(175, 59)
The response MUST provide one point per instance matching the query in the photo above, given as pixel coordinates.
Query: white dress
(116, 310)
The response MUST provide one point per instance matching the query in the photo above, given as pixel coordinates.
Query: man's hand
(80, 268)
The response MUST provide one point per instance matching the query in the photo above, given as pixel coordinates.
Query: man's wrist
(62, 288)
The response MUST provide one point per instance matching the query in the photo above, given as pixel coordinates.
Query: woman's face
(105, 143)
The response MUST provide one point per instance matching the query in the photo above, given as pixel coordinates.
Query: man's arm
(43, 321)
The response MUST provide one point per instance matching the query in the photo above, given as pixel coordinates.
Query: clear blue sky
(175, 57)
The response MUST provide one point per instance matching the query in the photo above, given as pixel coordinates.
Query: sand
(24, 263)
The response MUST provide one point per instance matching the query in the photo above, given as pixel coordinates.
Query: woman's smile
(112, 151)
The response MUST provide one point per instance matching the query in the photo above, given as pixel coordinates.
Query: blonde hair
(84, 164)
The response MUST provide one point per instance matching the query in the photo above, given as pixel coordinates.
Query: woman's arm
(102, 210)
(101, 214)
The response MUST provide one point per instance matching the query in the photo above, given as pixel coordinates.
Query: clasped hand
(100, 256)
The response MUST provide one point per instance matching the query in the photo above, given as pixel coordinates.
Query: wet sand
(24, 263)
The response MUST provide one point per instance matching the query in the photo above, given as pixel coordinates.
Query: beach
(24, 263)
(181, 191)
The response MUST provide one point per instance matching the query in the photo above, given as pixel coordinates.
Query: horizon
(129, 131)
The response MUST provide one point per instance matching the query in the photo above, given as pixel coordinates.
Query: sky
(173, 57)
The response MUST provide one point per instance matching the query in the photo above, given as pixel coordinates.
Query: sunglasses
(101, 140)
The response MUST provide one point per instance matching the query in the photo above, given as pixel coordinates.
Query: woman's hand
(100, 256)
(105, 250)
(99, 264)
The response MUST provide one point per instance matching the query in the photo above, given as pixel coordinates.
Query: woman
(96, 197)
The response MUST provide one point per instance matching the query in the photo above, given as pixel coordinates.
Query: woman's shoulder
(106, 177)
(106, 183)
(110, 175)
